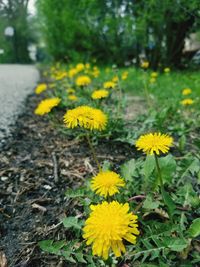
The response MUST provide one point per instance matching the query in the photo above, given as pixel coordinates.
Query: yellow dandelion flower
(145, 64)
(167, 70)
(95, 73)
(95, 68)
(106, 183)
(187, 102)
(80, 67)
(70, 91)
(72, 72)
(98, 94)
(154, 143)
(73, 97)
(45, 106)
(86, 117)
(115, 79)
(41, 88)
(154, 74)
(60, 75)
(152, 80)
(83, 80)
(108, 225)
(109, 84)
(186, 91)
(124, 75)
(87, 65)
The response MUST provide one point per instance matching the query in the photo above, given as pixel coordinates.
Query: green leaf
(52, 247)
(194, 229)
(168, 202)
(195, 166)
(45, 245)
(74, 193)
(70, 222)
(149, 166)
(79, 257)
(128, 170)
(68, 257)
(167, 167)
(182, 143)
(148, 265)
(59, 244)
(177, 244)
(150, 204)
(90, 260)
(106, 165)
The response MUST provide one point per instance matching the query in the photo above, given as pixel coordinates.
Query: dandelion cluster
(108, 225)
(45, 106)
(154, 143)
(85, 117)
(106, 183)
(98, 94)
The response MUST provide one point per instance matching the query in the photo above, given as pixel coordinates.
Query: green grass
(166, 85)
(167, 88)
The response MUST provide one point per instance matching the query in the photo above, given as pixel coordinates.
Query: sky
(31, 7)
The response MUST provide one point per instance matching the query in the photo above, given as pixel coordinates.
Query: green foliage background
(118, 30)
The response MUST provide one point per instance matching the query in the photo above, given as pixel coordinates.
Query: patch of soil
(32, 197)
(135, 106)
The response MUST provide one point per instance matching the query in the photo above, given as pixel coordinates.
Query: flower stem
(120, 96)
(146, 91)
(93, 151)
(159, 173)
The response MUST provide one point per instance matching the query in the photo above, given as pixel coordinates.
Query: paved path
(16, 82)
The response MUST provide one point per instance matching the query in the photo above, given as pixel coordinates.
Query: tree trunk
(176, 33)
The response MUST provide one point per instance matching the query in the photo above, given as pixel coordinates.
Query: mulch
(38, 163)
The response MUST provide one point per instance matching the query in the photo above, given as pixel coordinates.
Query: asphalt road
(16, 83)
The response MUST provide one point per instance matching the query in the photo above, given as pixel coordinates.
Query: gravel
(16, 83)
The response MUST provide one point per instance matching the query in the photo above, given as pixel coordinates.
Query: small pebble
(48, 187)
(4, 178)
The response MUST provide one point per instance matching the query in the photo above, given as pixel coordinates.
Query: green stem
(146, 91)
(159, 174)
(93, 151)
(120, 97)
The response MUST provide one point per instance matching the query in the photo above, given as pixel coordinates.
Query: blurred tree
(15, 13)
(166, 24)
(64, 28)
(118, 30)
